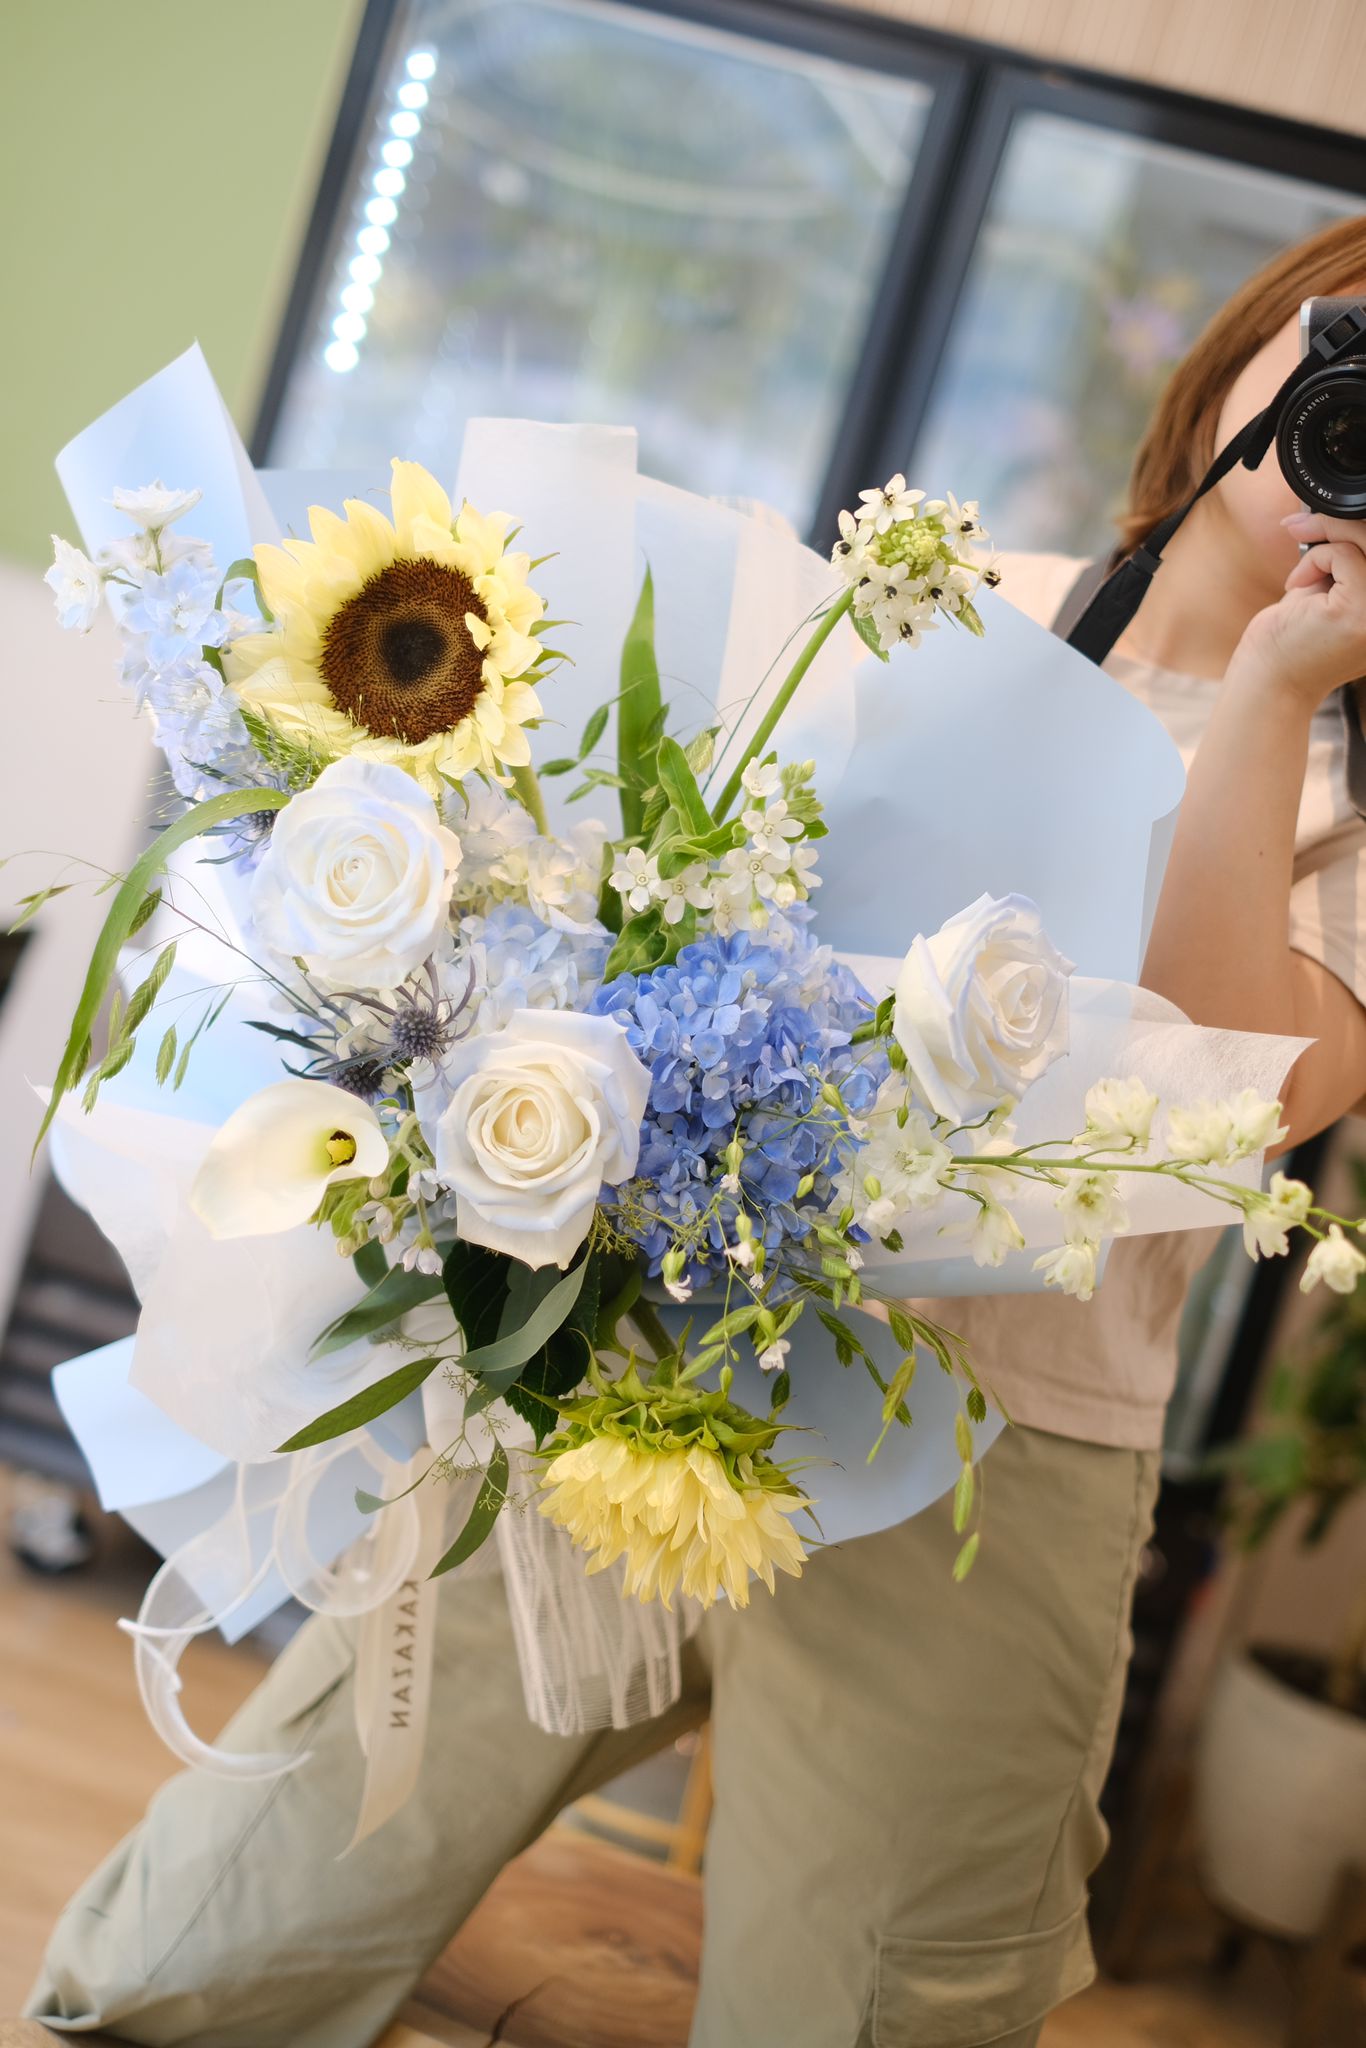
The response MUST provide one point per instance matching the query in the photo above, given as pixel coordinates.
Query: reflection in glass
(1100, 259)
(575, 211)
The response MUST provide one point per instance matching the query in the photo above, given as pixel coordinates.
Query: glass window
(1100, 258)
(575, 211)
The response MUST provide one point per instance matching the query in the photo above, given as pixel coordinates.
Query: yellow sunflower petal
(414, 494)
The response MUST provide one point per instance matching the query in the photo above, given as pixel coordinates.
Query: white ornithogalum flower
(636, 877)
(851, 549)
(1119, 1116)
(687, 890)
(76, 584)
(1091, 1207)
(153, 506)
(886, 507)
(1336, 1261)
(1072, 1267)
(771, 1358)
(964, 521)
(994, 1233)
(773, 829)
(762, 780)
(948, 586)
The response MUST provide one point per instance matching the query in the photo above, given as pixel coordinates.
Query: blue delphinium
(740, 1035)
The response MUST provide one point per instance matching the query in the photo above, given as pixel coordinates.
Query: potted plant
(1281, 1768)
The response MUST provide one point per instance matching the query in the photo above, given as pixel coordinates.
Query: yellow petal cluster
(307, 583)
(676, 1518)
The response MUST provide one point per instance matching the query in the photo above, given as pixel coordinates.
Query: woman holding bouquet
(907, 1771)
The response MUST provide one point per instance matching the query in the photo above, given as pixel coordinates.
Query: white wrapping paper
(1005, 764)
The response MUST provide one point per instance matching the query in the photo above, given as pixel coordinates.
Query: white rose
(356, 878)
(981, 1008)
(543, 1114)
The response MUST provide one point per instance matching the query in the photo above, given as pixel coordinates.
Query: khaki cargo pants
(906, 1781)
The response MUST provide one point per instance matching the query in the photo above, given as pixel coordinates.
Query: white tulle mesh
(589, 1656)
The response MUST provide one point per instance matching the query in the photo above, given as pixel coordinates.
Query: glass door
(572, 210)
(1099, 250)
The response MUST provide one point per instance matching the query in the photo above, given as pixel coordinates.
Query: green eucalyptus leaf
(363, 1407)
(488, 1505)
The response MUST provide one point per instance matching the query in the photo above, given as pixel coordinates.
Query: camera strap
(1123, 591)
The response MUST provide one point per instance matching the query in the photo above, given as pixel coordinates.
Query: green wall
(158, 160)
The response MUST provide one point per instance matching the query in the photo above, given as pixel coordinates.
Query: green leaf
(962, 1437)
(701, 749)
(143, 997)
(977, 1404)
(563, 1360)
(166, 1057)
(488, 1504)
(593, 731)
(245, 567)
(363, 1407)
(901, 1327)
(33, 904)
(234, 803)
(639, 709)
(561, 765)
(967, 1556)
(370, 1262)
(391, 1298)
(476, 1284)
(680, 786)
(867, 633)
(644, 943)
(146, 911)
(962, 1499)
(621, 1297)
(782, 1392)
(498, 1364)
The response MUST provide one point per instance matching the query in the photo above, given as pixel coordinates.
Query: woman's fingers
(1332, 561)
(1310, 527)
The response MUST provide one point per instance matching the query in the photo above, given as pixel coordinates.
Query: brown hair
(1179, 444)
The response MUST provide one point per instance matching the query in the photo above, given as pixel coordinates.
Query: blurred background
(797, 246)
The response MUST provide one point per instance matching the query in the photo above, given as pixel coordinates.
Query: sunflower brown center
(398, 657)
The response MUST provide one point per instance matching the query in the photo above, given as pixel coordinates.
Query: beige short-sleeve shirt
(1103, 1370)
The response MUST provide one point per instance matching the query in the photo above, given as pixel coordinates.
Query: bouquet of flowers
(607, 1142)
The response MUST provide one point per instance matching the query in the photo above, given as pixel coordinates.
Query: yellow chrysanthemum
(406, 641)
(676, 1516)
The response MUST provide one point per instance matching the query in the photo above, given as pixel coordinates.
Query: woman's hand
(1313, 640)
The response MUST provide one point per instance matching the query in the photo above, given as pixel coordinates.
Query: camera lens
(1342, 443)
(1321, 440)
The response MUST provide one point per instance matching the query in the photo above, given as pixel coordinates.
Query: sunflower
(409, 641)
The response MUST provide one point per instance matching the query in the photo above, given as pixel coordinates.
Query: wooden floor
(78, 1762)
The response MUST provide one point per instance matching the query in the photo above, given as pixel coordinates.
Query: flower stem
(527, 789)
(651, 1328)
(786, 691)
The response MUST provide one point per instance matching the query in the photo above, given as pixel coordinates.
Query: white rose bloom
(542, 1115)
(1336, 1261)
(1119, 1116)
(981, 1007)
(356, 878)
(268, 1165)
(76, 584)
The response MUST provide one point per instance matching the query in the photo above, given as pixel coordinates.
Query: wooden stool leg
(1321, 1968)
(690, 1829)
(1170, 1809)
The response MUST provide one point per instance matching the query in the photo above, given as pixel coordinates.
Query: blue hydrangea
(748, 1026)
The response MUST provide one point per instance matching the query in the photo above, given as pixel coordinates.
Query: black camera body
(1321, 430)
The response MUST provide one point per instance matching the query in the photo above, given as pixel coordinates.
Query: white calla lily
(269, 1164)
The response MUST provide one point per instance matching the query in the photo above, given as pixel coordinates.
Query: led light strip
(387, 185)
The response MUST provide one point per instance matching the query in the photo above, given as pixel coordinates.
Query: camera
(1321, 429)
